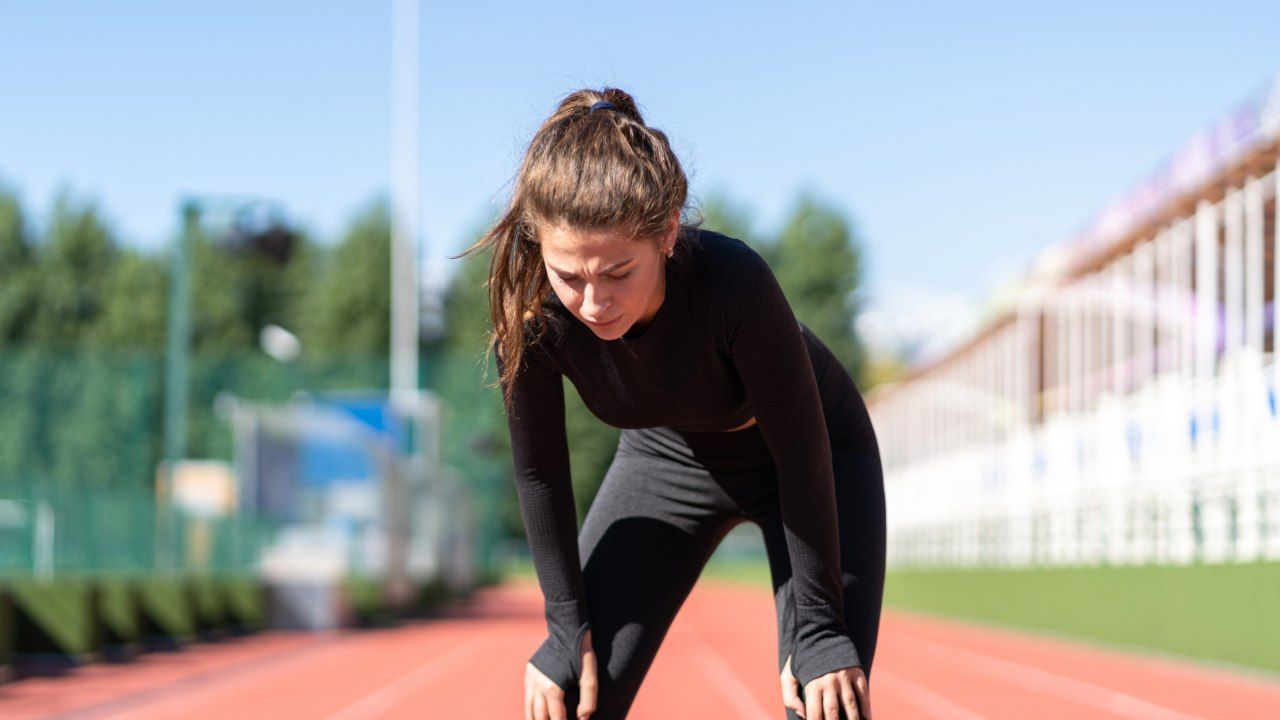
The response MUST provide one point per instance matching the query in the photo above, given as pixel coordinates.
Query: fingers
(831, 705)
(556, 706)
(813, 701)
(849, 699)
(791, 696)
(863, 687)
(826, 700)
(791, 690)
(587, 687)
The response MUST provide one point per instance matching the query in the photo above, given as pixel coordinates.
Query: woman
(731, 411)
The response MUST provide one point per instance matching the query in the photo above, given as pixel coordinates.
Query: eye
(619, 278)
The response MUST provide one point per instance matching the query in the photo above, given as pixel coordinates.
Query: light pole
(243, 224)
(405, 203)
(178, 350)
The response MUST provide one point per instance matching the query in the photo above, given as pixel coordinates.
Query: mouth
(603, 325)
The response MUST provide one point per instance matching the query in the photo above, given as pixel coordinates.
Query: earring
(671, 250)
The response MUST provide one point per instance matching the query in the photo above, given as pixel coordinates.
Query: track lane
(718, 660)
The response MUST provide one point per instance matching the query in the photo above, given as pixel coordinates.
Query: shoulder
(723, 268)
(726, 280)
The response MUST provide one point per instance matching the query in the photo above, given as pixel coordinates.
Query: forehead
(565, 246)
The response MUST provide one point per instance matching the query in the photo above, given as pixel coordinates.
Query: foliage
(17, 289)
(817, 260)
(71, 273)
(350, 309)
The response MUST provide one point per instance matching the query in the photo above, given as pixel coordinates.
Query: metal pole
(176, 372)
(404, 202)
(1233, 270)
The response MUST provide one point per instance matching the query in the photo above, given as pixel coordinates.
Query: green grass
(1225, 613)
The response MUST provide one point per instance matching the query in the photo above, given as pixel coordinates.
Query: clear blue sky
(962, 138)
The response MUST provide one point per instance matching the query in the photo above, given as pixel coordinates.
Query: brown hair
(584, 169)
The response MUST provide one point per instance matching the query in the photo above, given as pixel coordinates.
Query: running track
(717, 662)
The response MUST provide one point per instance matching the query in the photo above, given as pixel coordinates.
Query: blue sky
(962, 138)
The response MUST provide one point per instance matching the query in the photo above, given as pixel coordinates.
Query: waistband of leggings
(732, 450)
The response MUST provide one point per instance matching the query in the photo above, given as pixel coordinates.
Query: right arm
(540, 453)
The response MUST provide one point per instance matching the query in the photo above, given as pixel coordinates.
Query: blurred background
(243, 384)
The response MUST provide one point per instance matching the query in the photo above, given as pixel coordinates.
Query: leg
(860, 509)
(648, 534)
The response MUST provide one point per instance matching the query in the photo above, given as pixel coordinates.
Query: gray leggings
(667, 501)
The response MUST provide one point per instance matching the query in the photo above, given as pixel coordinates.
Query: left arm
(773, 363)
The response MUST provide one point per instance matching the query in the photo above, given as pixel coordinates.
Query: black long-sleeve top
(723, 347)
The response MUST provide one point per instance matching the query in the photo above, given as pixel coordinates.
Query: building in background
(1120, 406)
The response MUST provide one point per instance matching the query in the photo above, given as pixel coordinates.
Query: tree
(351, 305)
(136, 306)
(73, 266)
(17, 289)
(725, 215)
(817, 263)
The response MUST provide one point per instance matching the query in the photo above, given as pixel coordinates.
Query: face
(608, 280)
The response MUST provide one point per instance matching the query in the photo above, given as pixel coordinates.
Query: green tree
(235, 292)
(351, 304)
(135, 311)
(723, 214)
(818, 264)
(74, 263)
(17, 289)
(475, 439)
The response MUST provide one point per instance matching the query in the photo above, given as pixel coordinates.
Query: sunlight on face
(607, 280)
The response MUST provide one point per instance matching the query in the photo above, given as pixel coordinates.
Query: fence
(81, 440)
(1182, 470)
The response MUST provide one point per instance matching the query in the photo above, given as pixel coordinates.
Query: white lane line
(729, 685)
(385, 698)
(928, 701)
(250, 667)
(1035, 679)
(166, 701)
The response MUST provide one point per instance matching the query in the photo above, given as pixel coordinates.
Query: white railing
(1181, 470)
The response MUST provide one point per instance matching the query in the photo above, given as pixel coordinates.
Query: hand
(824, 696)
(544, 700)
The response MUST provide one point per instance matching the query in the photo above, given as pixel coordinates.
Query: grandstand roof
(1243, 142)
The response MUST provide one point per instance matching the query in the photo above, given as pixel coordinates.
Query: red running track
(717, 662)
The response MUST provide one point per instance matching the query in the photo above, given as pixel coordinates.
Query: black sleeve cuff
(820, 648)
(560, 657)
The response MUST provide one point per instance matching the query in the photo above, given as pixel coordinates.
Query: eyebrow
(614, 266)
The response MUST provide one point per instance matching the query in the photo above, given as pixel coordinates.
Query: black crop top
(723, 347)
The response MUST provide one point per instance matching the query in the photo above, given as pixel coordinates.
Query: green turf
(1226, 612)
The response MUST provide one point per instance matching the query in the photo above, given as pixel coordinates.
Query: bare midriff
(743, 426)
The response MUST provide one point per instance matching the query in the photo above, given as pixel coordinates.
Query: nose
(595, 303)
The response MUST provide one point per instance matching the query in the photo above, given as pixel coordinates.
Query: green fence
(82, 436)
(49, 528)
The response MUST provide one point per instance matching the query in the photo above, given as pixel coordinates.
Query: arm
(773, 363)
(540, 453)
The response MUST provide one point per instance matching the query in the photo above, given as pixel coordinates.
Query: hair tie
(605, 104)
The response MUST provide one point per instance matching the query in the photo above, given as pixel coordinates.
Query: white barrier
(1143, 478)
